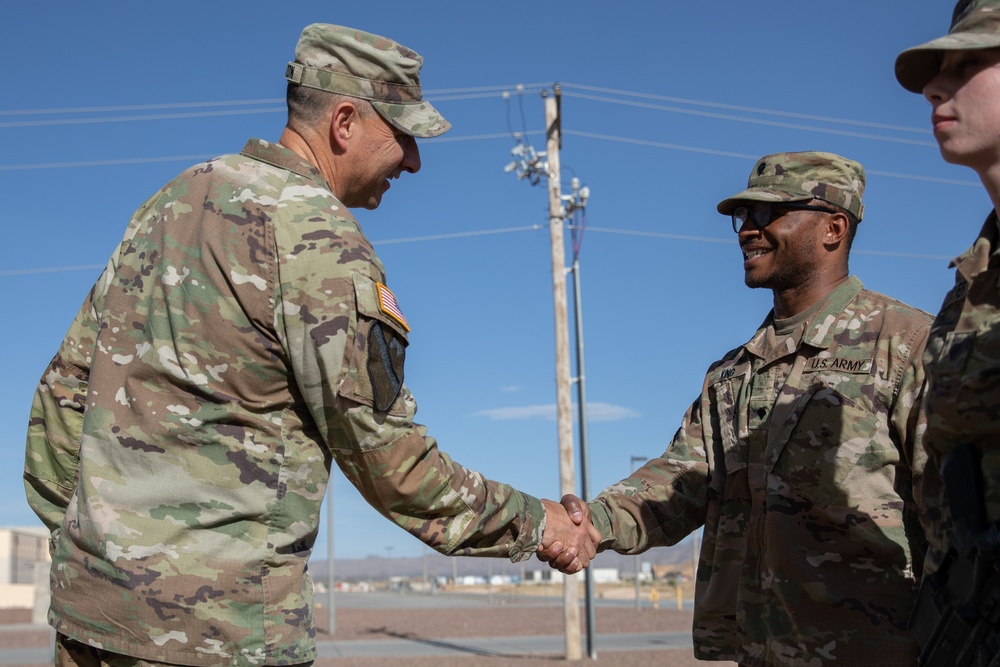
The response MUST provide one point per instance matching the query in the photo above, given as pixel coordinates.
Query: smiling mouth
(753, 254)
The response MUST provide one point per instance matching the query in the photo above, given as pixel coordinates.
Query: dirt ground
(509, 621)
(437, 623)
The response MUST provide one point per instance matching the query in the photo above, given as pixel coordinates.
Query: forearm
(658, 505)
(452, 509)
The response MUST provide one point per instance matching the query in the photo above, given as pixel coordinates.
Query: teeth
(755, 253)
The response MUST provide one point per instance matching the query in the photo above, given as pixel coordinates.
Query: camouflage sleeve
(55, 423)
(909, 421)
(661, 502)
(326, 318)
(52, 453)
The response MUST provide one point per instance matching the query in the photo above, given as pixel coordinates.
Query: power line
(730, 241)
(509, 230)
(167, 116)
(754, 121)
(476, 137)
(135, 107)
(733, 107)
(709, 151)
(458, 94)
(658, 144)
(485, 90)
(104, 163)
(118, 119)
(479, 137)
(51, 269)
(199, 158)
(458, 235)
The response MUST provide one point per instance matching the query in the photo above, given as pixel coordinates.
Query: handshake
(570, 540)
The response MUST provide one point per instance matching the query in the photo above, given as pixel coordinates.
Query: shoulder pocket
(378, 353)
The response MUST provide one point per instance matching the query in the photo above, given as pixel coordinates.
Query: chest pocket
(963, 364)
(820, 442)
(377, 354)
(727, 422)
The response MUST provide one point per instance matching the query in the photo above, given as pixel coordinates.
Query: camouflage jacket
(800, 458)
(239, 341)
(962, 360)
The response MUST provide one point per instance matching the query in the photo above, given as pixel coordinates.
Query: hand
(570, 540)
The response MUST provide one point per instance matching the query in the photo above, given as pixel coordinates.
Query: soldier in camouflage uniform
(241, 340)
(801, 455)
(959, 74)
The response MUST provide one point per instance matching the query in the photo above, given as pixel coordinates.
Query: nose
(747, 229)
(411, 155)
(935, 91)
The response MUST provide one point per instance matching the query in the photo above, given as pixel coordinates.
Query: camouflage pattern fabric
(181, 439)
(962, 361)
(801, 459)
(352, 62)
(803, 176)
(975, 24)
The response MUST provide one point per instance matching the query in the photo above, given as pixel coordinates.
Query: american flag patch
(387, 304)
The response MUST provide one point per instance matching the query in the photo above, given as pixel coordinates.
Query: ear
(834, 229)
(343, 125)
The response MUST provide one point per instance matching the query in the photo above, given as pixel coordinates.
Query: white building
(24, 560)
(605, 575)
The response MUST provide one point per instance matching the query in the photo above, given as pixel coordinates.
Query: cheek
(981, 97)
(390, 153)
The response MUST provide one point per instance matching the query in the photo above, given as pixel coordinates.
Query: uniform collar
(977, 258)
(279, 156)
(819, 329)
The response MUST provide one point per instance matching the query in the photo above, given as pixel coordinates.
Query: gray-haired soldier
(243, 339)
(802, 454)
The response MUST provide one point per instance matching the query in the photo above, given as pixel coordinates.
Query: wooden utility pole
(564, 406)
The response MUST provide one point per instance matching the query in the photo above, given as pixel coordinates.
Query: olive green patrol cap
(351, 62)
(975, 24)
(797, 177)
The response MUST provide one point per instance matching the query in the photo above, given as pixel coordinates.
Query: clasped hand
(570, 540)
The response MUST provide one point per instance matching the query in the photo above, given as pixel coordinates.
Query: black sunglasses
(762, 214)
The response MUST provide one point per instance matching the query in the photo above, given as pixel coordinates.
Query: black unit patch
(386, 354)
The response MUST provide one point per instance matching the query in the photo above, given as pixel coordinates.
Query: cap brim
(915, 67)
(728, 205)
(419, 120)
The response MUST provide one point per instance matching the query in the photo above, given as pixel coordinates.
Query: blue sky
(666, 106)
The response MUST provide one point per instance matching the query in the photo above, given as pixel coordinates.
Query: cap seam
(410, 88)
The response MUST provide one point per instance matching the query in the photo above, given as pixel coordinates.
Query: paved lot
(393, 630)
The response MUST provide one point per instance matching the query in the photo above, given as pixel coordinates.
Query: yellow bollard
(654, 597)
(680, 599)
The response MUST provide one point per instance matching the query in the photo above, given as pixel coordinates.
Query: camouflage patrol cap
(359, 64)
(797, 177)
(975, 24)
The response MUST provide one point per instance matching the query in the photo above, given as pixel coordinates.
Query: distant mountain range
(437, 565)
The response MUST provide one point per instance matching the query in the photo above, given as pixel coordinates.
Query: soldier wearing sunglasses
(802, 454)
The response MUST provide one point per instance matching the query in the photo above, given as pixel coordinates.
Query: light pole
(638, 595)
(388, 568)
(330, 618)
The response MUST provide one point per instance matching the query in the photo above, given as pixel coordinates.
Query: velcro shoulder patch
(386, 356)
(389, 306)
